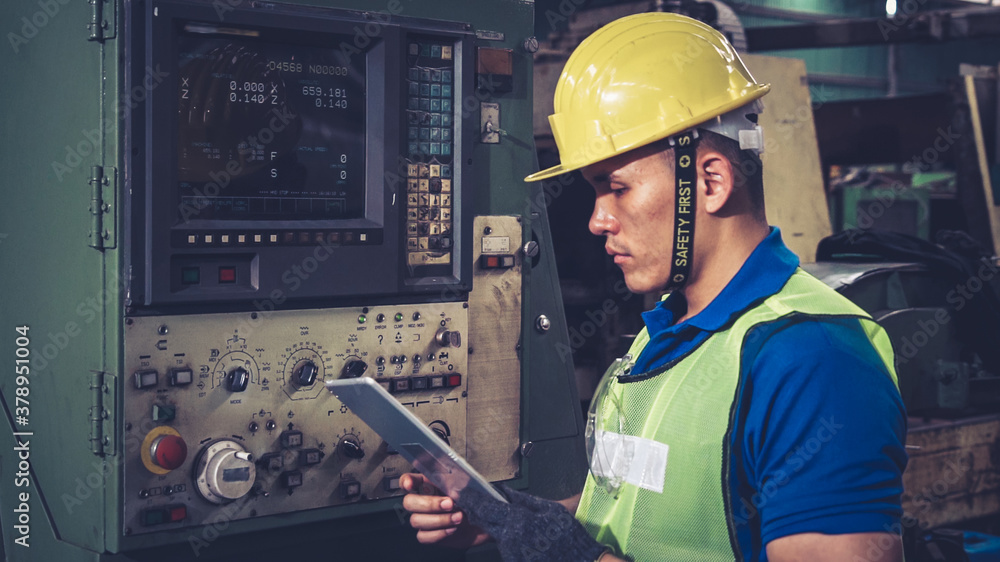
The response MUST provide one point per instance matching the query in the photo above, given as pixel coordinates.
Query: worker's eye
(618, 189)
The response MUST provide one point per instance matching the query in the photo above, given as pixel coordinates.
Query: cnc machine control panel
(231, 409)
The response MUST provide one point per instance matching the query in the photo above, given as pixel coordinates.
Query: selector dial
(237, 379)
(350, 447)
(442, 430)
(225, 471)
(235, 372)
(354, 369)
(305, 375)
(302, 368)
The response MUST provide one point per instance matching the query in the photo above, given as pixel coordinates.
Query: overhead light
(890, 8)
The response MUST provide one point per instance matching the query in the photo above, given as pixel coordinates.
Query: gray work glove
(530, 528)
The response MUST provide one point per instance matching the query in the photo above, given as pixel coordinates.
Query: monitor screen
(290, 139)
(268, 130)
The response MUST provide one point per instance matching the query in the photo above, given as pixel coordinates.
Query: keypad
(429, 139)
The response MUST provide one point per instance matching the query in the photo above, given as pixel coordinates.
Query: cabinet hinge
(102, 401)
(102, 24)
(103, 208)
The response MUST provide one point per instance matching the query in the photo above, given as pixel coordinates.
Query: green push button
(153, 517)
(190, 276)
(163, 412)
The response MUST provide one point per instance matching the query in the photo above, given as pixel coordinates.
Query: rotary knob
(354, 369)
(225, 471)
(237, 379)
(351, 449)
(448, 338)
(168, 452)
(306, 374)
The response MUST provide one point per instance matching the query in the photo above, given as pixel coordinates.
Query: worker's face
(634, 211)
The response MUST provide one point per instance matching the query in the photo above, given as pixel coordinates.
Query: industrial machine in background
(213, 207)
(939, 301)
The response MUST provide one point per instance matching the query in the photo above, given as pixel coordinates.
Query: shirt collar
(763, 274)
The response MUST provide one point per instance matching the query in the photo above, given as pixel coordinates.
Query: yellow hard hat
(642, 78)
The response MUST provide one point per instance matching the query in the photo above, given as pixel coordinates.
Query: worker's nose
(602, 222)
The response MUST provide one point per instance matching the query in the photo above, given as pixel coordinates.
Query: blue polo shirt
(819, 426)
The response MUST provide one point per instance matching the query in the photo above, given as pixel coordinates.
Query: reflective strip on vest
(688, 409)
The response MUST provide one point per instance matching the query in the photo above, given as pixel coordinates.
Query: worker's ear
(715, 180)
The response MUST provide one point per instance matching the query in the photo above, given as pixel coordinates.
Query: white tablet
(406, 433)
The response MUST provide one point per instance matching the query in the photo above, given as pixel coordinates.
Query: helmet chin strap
(685, 189)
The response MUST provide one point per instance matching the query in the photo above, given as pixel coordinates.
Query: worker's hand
(436, 517)
(530, 528)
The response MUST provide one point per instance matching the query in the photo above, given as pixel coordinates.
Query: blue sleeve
(820, 432)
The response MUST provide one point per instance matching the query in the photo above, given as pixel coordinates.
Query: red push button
(454, 380)
(227, 275)
(503, 261)
(169, 452)
(400, 385)
(177, 512)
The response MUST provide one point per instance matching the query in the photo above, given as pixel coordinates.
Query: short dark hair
(748, 171)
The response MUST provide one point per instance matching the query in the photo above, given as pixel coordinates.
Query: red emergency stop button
(168, 451)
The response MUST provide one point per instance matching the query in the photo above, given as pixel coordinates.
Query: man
(757, 416)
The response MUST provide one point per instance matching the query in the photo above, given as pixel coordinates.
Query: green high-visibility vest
(675, 428)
